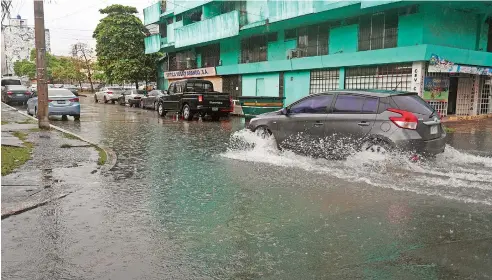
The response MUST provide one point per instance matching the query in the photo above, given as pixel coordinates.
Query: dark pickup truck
(191, 97)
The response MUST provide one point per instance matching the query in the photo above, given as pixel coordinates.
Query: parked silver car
(108, 94)
(341, 122)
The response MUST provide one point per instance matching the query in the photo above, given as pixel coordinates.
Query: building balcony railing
(152, 13)
(218, 27)
(152, 43)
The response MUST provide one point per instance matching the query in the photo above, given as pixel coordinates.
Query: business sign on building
(192, 73)
(439, 65)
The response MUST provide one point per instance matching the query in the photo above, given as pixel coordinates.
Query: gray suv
(344, 121)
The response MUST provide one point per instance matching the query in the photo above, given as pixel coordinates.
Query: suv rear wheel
(376, 146)
(160, 110)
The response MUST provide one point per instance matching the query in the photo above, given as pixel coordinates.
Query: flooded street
(182, 202)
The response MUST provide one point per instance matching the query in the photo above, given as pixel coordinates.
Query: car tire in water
(95, 98)
(263, 132)
(376, 146)
(76, 117)
(215, 117)
(105, 100)
(186, 112)
(113, 101)
(155, 106)
(160, 110)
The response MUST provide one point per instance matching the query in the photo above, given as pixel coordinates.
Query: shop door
(464, 104)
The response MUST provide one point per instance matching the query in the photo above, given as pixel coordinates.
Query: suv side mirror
(285, 111)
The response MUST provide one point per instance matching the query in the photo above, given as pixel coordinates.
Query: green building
(442, 50)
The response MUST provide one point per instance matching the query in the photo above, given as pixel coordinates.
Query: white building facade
(17, 43)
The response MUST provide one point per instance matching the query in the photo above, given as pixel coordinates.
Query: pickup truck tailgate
(216, 100)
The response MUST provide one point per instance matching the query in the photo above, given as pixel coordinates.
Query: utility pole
(41, 77)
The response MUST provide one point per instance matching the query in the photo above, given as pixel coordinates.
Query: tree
(120, 45)
(83, 54)
(25, 68)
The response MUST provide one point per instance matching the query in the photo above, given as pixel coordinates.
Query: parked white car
(33, 88)
(108, 94)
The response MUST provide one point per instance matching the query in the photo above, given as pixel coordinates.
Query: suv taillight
(9, 92)
(407, 120)
(110, 92)
(27, 93)
(200, 98)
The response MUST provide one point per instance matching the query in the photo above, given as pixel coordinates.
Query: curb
(34, 206)
(466, 118)
(110, 154)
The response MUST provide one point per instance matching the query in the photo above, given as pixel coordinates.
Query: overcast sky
(71, 21)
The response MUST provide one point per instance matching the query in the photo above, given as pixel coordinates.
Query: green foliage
(25, 68)
(120, 46)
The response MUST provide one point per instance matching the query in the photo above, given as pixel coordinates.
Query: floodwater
(209, 200)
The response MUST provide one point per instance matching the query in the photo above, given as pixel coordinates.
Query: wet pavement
(183, 203)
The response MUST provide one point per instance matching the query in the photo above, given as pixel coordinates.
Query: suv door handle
(318, 123)
(363, 123)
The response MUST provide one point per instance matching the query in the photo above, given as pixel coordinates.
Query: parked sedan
(151, 100)
(369, 120)
(134, 96)
(61, 102)
(108, 94)
(15, 94)
(73, 89)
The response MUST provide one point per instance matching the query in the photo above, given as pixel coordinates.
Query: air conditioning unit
(293, 53)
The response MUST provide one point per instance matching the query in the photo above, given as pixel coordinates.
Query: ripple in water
(453, 174)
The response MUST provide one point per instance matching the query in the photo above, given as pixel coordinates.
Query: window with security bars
(182, 60)
(485, 99)
(210, 55)
(324, 80)
(254, 49)
(313, 40)
(378, 31)
(386, 77)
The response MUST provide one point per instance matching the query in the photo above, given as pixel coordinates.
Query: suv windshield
(413, 103)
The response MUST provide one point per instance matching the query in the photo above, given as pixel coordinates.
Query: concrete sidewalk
(59, 164)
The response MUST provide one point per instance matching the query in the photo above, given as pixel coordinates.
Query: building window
(179, 17)
(290, 34)
(313, 40)
(210, 55)
(387, 77)
(169, 20)
(240, 6)
(324, 80)
(254, 49)
(378, 31)
(192, 16)
(163, 30)
(182, 60)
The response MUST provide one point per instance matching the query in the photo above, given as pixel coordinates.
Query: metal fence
(387, 77)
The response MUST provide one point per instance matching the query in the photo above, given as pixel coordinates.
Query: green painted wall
(152, 43)
(256, 10)
(343, 39)
(219, 27)
(270, 81)
(410, 30)
(482, 38)
(229, 51)
(210, 10)
(152, 13)
(296, 85)
(448, 27)
(278, 50)
(285, 9)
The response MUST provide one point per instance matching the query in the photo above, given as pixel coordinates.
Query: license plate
(19, 94)
(434, 129)
(61, 102)
(215, 109)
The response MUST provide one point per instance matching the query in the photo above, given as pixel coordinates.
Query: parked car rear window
(8, 82)
(314, 105)
(348, 104)
(60, 92)
(198, 87)
(413, 103)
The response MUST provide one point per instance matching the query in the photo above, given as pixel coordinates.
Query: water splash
(452, 174)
